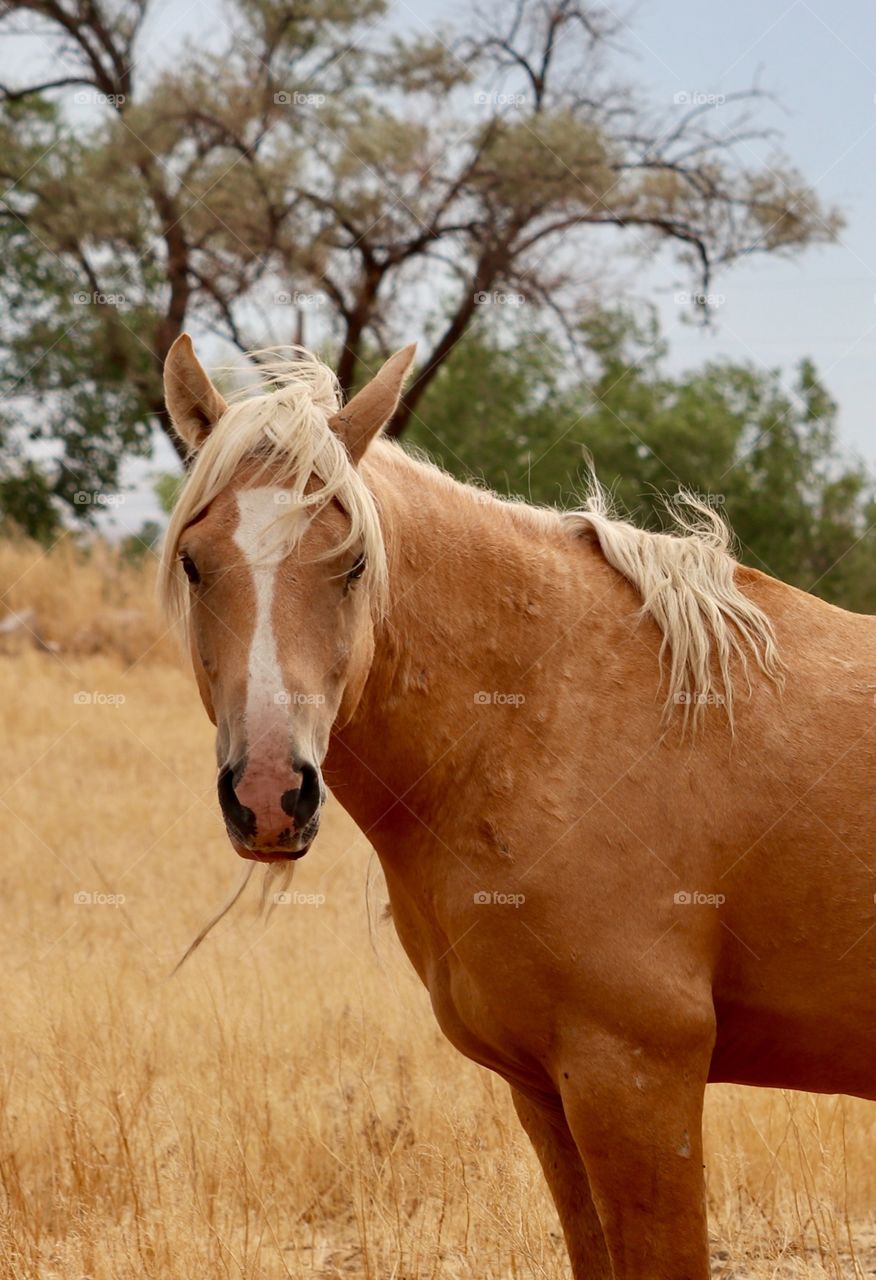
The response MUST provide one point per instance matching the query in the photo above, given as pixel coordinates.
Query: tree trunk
(483, 280)
(356, 322)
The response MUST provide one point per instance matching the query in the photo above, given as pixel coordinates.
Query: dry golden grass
(285, 1107)
(84, 600)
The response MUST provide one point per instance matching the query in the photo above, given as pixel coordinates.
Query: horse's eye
(357, 570)
(190, 569)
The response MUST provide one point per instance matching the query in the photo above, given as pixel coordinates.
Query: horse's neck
(476, 598)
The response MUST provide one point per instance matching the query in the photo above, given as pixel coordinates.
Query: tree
(26, 504)
(763, 452)
(304, 176)
(166, 486)
(136, 546)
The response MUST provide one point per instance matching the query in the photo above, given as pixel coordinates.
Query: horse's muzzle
(266, 819)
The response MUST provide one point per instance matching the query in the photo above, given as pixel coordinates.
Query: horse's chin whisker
(208, 927)
(276, 881)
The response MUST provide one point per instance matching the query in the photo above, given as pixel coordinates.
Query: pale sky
(819, 59)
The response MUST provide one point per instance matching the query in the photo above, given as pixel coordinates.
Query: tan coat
(606, 909)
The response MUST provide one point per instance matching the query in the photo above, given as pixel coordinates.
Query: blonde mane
(685, 578)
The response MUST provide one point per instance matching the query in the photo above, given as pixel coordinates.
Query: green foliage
(166, 487)
(75, 366)
(314, 154)
(27, 504)
(763, 452)
(494, 410)
(136, 546)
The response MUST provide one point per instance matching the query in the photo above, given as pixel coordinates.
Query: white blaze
(266, 695)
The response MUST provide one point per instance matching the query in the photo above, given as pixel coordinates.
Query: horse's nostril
(249, 800)
(236, 814)
(302, 804)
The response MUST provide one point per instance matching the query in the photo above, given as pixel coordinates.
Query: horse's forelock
(284, 431)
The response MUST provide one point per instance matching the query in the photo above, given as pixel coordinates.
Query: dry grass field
(285, 1106)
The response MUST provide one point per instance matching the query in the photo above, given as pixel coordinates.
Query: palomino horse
(617, 882)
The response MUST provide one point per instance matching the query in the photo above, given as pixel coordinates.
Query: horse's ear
(194, 404)
(371, 408)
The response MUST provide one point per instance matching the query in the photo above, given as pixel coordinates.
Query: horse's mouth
(268, 855)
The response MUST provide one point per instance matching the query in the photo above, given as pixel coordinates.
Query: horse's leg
(636, 1117)
(566, 1176)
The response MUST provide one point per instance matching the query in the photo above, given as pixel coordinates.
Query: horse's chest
(464, 1005)
(456, 1004)
(430, 951)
